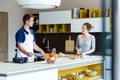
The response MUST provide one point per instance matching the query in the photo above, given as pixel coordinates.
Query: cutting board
(69, 45)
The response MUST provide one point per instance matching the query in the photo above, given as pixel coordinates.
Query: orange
(56, 55)
(47, 56)
(72, 57)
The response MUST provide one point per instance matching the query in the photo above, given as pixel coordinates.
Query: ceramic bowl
(91, 73)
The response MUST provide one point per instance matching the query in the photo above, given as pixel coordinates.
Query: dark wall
(57, 40)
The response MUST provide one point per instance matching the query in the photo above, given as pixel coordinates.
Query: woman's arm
(77, 46)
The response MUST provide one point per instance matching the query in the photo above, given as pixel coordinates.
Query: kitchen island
(44, 71)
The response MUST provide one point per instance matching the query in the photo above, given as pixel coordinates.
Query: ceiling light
(39, 4)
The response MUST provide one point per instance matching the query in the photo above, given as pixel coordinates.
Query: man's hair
(27, 17)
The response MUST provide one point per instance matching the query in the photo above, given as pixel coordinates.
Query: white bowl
(91, 73)
(81, 76)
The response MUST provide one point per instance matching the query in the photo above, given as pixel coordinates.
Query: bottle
(60, 30)
(87, 13)
(51, 29)
(53, 50)
(94, 14)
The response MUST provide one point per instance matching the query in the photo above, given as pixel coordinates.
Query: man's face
(30, 22)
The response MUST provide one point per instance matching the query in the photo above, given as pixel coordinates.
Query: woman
(85, 43)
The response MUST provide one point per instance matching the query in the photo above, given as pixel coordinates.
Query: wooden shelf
(54, 28)
(93, 13)
(96, 67)
(83, 14)
(89, 13)
(92, 78)
(58, 28)
(64, 18)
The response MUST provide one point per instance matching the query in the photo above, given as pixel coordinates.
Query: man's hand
(30, 54)
(42, 53)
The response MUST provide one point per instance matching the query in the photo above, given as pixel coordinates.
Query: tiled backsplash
(57, 40)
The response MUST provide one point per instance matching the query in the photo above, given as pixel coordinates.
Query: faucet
(48, 46)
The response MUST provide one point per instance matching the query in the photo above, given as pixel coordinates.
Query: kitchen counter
(14, 69)
(73, 52)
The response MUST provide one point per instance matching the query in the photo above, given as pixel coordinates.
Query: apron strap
(16, 53)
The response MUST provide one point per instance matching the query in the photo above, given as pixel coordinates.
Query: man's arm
(37, 48)
(30, 54)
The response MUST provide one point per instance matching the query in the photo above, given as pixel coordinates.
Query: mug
(83, 55)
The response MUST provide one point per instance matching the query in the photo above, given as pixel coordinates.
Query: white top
(85, 45)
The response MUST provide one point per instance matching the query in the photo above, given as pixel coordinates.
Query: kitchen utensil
(69, 45)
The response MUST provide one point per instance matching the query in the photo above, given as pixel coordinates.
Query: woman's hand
(83, 53)
(77, 52)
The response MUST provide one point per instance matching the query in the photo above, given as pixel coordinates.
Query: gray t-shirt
(85, 45)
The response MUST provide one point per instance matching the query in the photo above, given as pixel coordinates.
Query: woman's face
(84, 29)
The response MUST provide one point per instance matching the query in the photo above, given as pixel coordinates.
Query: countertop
(73, 52)
(9, 69)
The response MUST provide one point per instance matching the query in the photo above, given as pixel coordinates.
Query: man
(25, 39)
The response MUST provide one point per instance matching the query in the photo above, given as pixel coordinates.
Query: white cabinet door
(27, 76)
(55, 17)
(51, 74)
(48, 74)
(64, 17)
(3, 78)
(97, 23)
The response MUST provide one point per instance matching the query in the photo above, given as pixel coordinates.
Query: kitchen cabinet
(97, 24)
(54, 28)
(64, 17)
(44, 71)
(79, 70)
(54, 22)
(34, 75)
(55, 17)
(78, 13)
